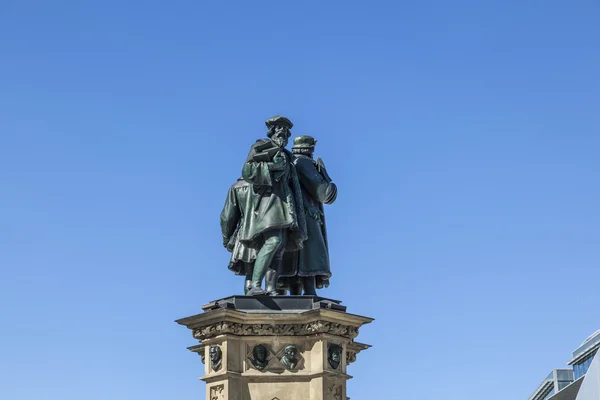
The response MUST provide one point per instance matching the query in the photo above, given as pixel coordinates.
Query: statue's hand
(280, 156)
(278, 164)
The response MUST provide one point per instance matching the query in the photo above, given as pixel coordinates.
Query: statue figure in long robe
(275, 222)
(308, 268)
(237, 205)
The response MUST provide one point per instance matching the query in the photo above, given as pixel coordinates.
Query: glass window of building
(582, 366)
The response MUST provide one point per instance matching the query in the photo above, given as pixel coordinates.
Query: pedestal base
(276, 348)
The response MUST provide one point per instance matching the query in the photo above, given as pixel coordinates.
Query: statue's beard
(280, 141)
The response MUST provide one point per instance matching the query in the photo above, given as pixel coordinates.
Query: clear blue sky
(464, 137)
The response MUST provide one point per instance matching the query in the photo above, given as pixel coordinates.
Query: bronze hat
(278, 120)
(304, 142)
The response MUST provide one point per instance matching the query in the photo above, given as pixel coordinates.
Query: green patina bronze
(273, 220)
(239, 199)
(308, 268)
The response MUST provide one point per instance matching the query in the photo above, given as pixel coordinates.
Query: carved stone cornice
(232, 322)
(198, 349)
(310, 328)
(352, 349)
(350, 357)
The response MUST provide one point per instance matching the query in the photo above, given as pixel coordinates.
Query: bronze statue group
(273, 221)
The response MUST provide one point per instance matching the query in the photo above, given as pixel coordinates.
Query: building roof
(592, 336)
(569, 392)
(547, 385)
(588, 347)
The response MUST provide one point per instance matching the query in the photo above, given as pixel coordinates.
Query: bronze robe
(313, 258)
(275, 203)
(232, 218)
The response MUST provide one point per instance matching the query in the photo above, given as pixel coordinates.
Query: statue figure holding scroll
(275, 221)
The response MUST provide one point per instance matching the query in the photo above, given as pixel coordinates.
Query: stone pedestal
(276, 348)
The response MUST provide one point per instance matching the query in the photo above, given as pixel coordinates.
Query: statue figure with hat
(274, 222)
(238, 202)
(308, 268)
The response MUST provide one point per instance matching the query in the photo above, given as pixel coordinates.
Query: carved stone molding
(350, 357)
(311, 328)
(198, 349)
(352, 349)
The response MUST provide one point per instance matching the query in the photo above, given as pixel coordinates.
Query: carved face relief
(289, 359)
(215, 354)
(334, 355)
(260, 357)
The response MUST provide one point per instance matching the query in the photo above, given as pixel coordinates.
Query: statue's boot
(248, 284)
(255, 288)
(271, 282)
(310, 286)
(296, 286)
(256, 291)
(258, 275)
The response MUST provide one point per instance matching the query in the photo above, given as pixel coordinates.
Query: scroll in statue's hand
(278, 163)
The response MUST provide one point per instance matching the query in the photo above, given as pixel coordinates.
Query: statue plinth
(276, 348)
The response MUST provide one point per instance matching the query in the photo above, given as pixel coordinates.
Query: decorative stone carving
(334, 355)
(216, 357)
(350, 357)
(297, 344)
(352, 349)
(216, 392)
(289, 358)
(260, 357)
(255, 359)
(311, 328)
(198, 349)
(334, 392)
